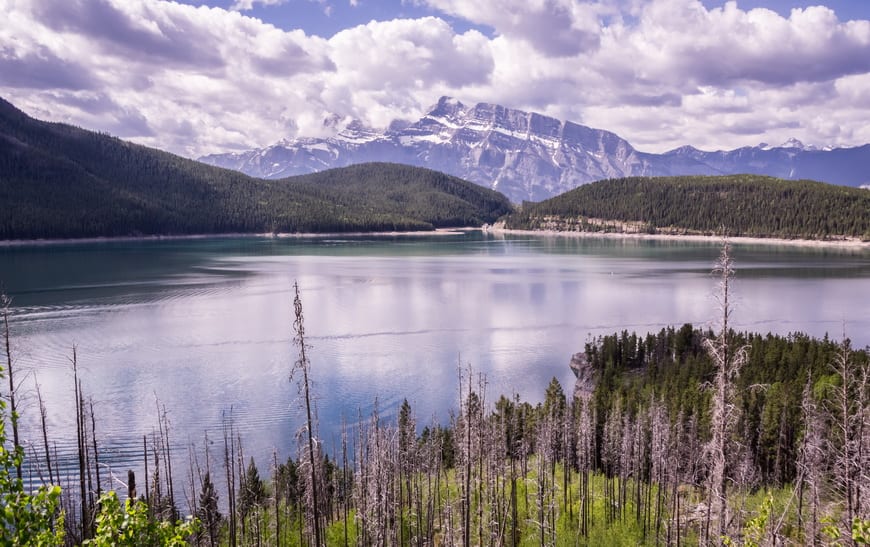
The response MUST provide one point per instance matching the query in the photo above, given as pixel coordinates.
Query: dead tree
(42, 418)
(727, 362)
(661, 469)
(229, 468)
(81, 448)
(810, 466)
(96, 454)
(5, 302)
(303, 366)
(585, 460)
(847, 443)
(407, 466)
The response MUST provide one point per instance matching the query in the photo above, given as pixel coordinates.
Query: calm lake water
(205, 326)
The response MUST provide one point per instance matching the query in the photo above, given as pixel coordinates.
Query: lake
(205, 325)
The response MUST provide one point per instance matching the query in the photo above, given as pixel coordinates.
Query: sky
(208, 76)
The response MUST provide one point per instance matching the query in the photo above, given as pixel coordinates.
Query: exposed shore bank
(846, 243)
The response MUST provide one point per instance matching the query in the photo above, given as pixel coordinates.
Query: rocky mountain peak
(447, 108)
(356, 129)
(796, 144)
(685, 150)
(531, 156)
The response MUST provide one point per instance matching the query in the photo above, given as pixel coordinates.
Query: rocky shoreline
(845, 243)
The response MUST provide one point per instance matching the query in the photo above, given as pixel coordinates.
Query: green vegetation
(25, 518)
(59, 181)
(734, 205)
(130, 524)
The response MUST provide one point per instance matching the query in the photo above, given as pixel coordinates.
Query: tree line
(733, 205)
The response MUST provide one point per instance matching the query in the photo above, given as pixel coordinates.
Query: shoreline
(851, 244)
(740, 240)
(229, 235)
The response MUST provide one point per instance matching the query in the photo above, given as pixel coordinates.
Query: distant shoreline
(122, 239)
(819, 243)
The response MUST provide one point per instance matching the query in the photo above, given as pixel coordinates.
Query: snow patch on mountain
(530, 156)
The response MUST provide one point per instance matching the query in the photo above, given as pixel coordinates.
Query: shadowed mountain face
(528, 156)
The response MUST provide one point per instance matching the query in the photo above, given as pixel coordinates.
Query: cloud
(412, 53)
(554, 27)
(640, 99)
(141, 66)
(249, 4)
(854, 90)
(660, 73)
(138, 30)
(42, 69)
(727, 45)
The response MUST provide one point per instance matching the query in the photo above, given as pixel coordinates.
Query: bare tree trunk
(163, 430)
(91, 501)
(243, 486)
(229, 467)
(727, 365)
(466, 487)
(96, 455)
(276, 494)
(849, 413)
(42, 417)
(194, 478)
(303, 365)
(81, 449)
(344, 478)
(5, 302)
(481, 383)
(145, 455)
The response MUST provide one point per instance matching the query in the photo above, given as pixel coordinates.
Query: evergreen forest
(679, 437)
(732, 205)
(59, 181)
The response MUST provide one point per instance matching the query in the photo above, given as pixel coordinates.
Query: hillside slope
(59, 181)
(736, 205)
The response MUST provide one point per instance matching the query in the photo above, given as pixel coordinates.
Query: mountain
(60, 181)
(528, 156)
(739, 205)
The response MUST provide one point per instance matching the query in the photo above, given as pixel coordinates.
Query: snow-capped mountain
(528, 156)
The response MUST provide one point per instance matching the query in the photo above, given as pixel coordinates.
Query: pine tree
(208, 513)
(253, 490)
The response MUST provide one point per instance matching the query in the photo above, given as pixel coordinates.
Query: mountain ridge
(61, 181)
(529, 156)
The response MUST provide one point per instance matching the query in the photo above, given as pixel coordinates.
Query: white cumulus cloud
(554, 27)
(660, 73)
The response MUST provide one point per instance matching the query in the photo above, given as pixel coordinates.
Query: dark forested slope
(59, 181)
(738, 205)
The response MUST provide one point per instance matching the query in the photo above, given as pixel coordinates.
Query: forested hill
(739, 205)
(59, 181)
